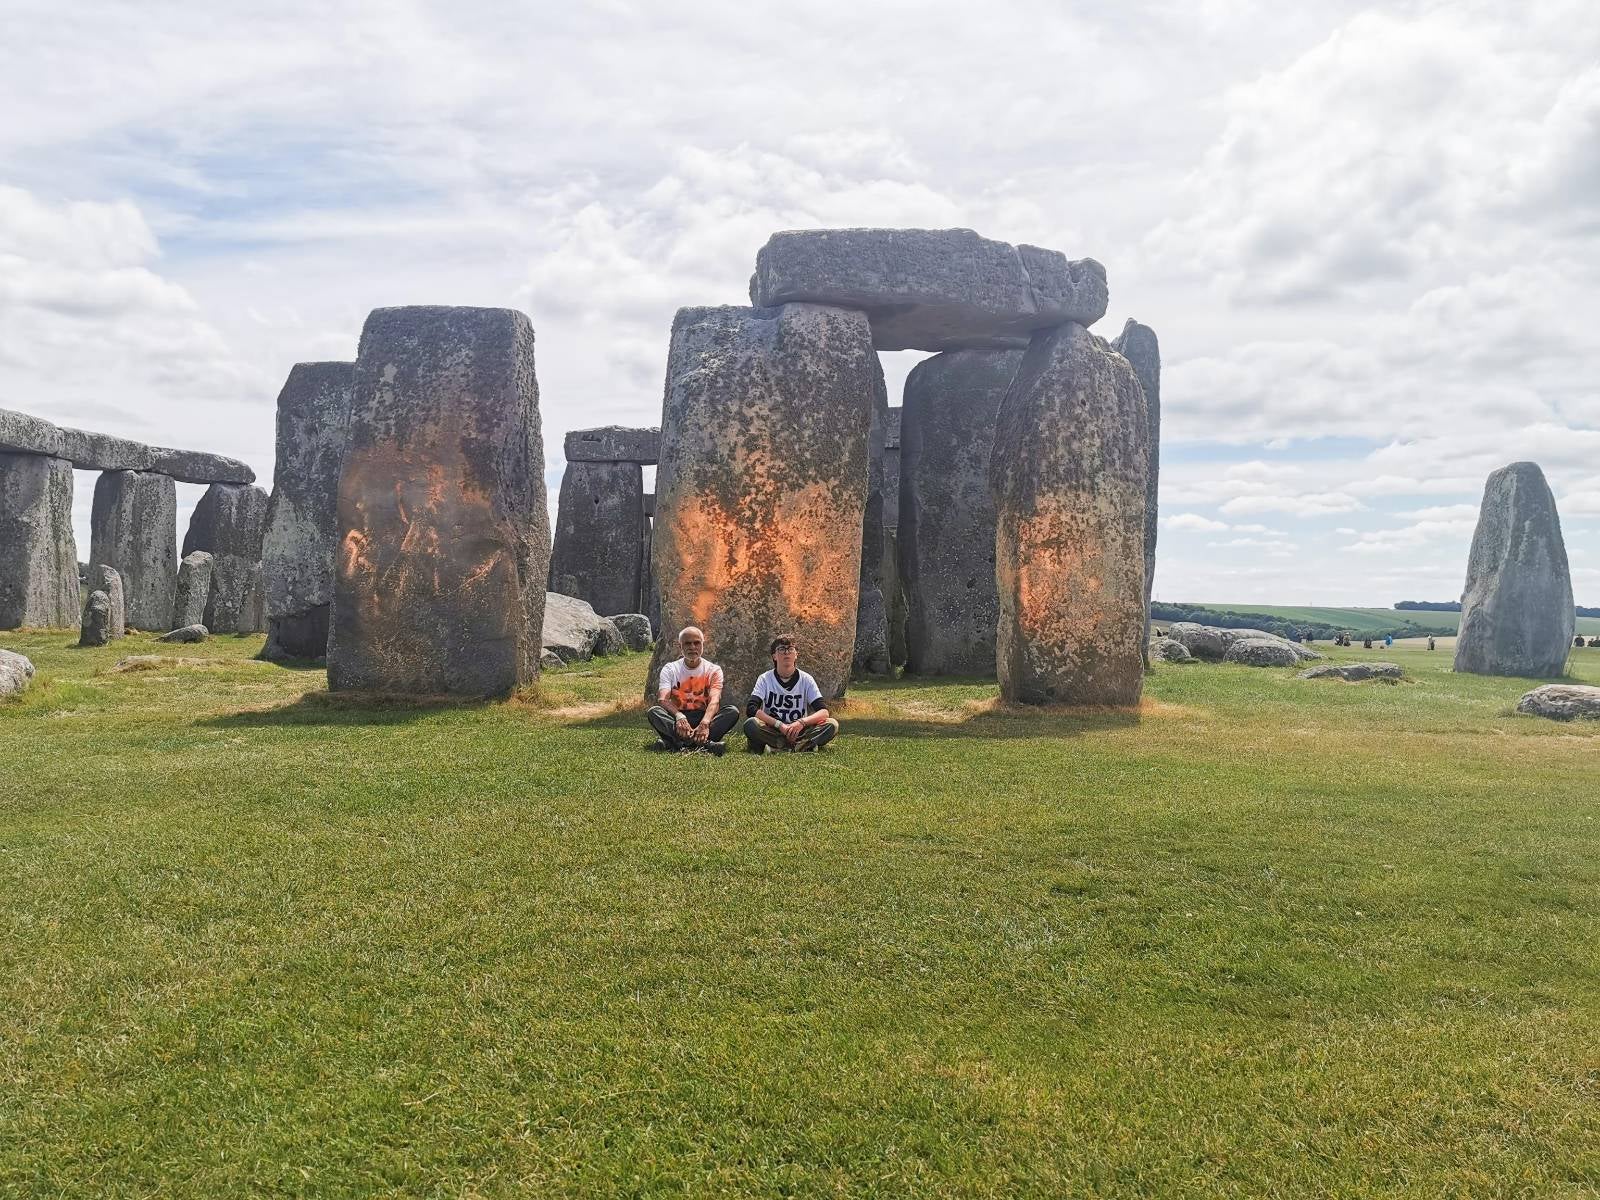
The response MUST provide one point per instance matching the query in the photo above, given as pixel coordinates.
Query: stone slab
(134, 530)
(931, 289)
(229, 522)
(1562, 702)
(600, 524)
(104, 452)
(194, 589)
(106, 579)
(614, 443)
(38, 552)
(1139, 345)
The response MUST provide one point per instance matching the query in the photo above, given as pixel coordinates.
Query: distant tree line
(1200, 614)
(1455, 606)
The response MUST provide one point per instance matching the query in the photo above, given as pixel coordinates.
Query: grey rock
(548, 659)
(229, 522)
(104, 452)
(101, 578)
(1203, 641)
(1262, 652)
(635, 630)
(1229, 636)
(600, 527)
(614, 444)
(1166, 649)
(297, 546)
(193, 593)
(891, 469)
(1068, 476)
(931, 289)
(1138, 344)
(1562, 702)
(188, 633)
(947, 514)
(762, 489)
(95, 629)
(38, 553)
(444, 531)
(574, 632)
(1517, 615)
(134, 530)
(649, 504)
(16, 672)
(871, 653)
(1355, 672)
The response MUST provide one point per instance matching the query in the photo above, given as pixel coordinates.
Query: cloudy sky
(1368, 236)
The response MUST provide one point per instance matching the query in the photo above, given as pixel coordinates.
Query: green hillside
(1402, 622)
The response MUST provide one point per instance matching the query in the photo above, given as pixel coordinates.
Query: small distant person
(1366, 643)
(1430, 641)
(690, 688)
(1578, 641)
(1388, 640)
(785, 710)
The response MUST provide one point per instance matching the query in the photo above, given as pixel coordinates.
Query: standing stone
(102, 578)
(871, 655)
(1068, 474)
(297, 548)
(444, 534)
(596, 555)
(133, 529)
(229, 522)
(38, 554)
(947, 515)
(1517, 615)
(95, 629)
(895, 592)
(762, 486)
(193, 595)
(1137, 343)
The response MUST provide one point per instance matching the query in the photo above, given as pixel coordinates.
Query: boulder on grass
(1355, 672)
(95, 629)
(16, 672)
(575, 632)
(1166, 649)
(1202, 641)
(635, 630)
(1562, 702)
(187, 633)
(1262, 652)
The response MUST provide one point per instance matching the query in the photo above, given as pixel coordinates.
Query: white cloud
(1193, 522)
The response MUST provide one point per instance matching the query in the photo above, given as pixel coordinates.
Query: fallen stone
(947, 513)
(1229, 636)
(1517, 616)
(1562, 702)
(574, 632)
(104, 452)
(194, 589)
(1138, 344)
(1262, 652)
(16, 672)
(548, 659)
(1203, 641)
(444, 532)
(134, 530)
(762, 488)
(1355, 672)
(38, 553)
(600, 525)
(635, 630)
(931, 289)
(1068, 476)
(95, 629)
(614, 444)
(1170, 650)
(101, 578)
(188, 633)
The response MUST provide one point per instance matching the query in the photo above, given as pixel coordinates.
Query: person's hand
(702, 732)
(681, 725)
(791, 732)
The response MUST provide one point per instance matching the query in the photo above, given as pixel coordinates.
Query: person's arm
(817, 715)
(680, 723)
(702, 731)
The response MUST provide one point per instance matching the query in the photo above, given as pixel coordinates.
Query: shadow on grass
(343, 708)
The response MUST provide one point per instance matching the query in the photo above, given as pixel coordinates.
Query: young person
(689, 688)
(785, 710)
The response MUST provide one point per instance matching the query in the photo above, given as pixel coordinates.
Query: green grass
(1265, 937)
(1363, 620)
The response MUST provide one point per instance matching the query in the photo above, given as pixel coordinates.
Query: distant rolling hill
(1359, 621)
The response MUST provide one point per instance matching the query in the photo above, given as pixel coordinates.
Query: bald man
(689, 688)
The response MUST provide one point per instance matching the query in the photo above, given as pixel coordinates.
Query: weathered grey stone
(1517, 615)
(896, 598)
(1203, 641)
(891, 468)
(1562, 702)
(871, 653)
(635, 630)
(297, 547)
(187, 633)
(947, 514)
(1229, 636)
(1138, 344)
(931, 289)
(38, 553)
(614, 443)
(1262, 652)
(548, 659)
(1166, 649)
(598, 533)
(1355, 672)
(95, 629)
(101, 578)
(104, 452)
(762, 488)
(193, 592)
(230, 522)
(444, 533)
(1068, 475)
(649, 504)
(574, 632)
(133, 528)
(16, 673)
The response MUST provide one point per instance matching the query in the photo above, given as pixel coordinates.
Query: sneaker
(715, 749)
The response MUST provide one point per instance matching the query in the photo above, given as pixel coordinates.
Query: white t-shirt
(689, 689)
(786, 703)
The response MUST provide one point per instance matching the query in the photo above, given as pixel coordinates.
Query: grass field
(1362, 620)
(1262, 937)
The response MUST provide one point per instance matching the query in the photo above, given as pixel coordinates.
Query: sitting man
(688, 689)
(785, 709)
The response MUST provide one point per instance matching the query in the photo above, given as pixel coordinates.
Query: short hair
(691, 629)
(784, 641)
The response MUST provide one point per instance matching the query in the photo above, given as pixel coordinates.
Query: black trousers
(666, 725)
